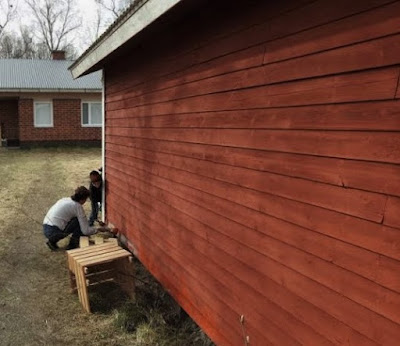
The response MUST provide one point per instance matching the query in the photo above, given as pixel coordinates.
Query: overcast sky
(87, 8)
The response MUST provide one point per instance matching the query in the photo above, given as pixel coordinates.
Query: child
(95, 188)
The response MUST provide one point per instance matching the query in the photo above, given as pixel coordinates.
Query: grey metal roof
(42, 75)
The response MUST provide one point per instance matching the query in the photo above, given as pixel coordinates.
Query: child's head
(95, 178)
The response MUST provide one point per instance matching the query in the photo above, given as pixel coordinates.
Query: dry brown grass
(36, 307)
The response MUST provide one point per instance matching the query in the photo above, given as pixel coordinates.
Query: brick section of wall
(9, 119)
(66, 120)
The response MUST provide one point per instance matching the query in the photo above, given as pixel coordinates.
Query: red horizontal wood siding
(254, 167)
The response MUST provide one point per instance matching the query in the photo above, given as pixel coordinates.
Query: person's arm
(83, 222)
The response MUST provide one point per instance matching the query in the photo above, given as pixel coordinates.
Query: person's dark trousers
(73, 228)
(94, 213)
(54, 234)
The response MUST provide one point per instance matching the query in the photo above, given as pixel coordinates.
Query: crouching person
(67, 217)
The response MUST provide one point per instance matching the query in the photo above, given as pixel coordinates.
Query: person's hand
(103, 229)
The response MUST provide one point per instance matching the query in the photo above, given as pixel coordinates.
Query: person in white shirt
(67, 217)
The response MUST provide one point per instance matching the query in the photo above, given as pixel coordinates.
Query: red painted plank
(392, 212)
(365, 175)
(218, 327)
(369, 235)
(317, 13)
(191, 49)
(241, 36)
(378, 237)
(361, 86)
(353, 202)
(362, 291)
(371, 146)
(376, 53)
(353, 309)
(233, 62)
(371, 54)
(337, 331)
(378, 116)
(398, 91)
(368, 264)
(367, 25)
(225, 296)
(323, 12)
(348, 173)
(211, 259)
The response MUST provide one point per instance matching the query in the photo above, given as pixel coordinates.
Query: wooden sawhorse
(100, 263)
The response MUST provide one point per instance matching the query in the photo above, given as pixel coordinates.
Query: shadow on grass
(106, 297)
(154, 317)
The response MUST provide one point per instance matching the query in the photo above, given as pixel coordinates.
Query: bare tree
(17, 46)
(115, 7)
(109, 5)
(95, 28)
(8, 10)
(22, 45)
(8, 45)
(56, 21)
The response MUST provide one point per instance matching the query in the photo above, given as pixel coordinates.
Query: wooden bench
(96, 264)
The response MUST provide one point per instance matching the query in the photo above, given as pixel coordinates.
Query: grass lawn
(36, 306)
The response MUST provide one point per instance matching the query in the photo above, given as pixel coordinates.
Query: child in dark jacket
(95, 188)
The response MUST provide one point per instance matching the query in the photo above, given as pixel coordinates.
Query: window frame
(35, 124)
(90, 114)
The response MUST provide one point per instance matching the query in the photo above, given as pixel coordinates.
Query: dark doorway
(9, 124)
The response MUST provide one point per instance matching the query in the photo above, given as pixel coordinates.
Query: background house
(252, 157)
(40, 103)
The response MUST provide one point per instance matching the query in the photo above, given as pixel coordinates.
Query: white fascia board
(143, 17)
(103, 150)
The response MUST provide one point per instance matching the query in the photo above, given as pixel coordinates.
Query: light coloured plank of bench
(98, 252)
(83, 242)
(84, 289)
(105, 258)
(79, 284)
(98, 240)
(90, 248)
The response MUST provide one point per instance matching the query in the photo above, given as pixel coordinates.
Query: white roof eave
(139, 20)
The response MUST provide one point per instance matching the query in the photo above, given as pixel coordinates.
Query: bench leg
(82, 287)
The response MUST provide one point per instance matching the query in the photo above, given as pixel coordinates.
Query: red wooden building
(252, 153)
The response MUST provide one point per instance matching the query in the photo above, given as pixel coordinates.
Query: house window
(91, 114)
(43, 114)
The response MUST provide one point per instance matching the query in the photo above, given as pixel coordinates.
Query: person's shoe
(71, 246)
(52, 246)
